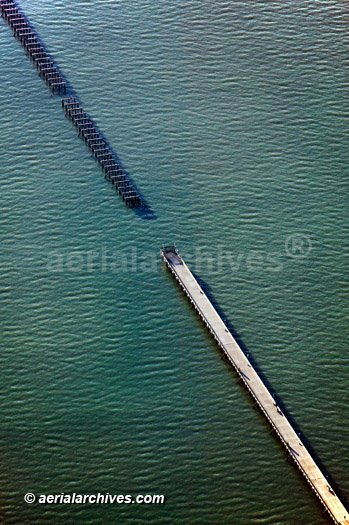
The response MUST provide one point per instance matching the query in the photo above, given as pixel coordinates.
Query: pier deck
(255, 386)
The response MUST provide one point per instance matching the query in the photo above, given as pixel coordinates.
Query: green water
(231, 118)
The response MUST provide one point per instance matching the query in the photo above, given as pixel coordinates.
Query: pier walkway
(255, 386)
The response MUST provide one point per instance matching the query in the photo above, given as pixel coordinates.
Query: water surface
(231, 118)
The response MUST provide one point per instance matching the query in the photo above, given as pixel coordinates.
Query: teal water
(231, 118)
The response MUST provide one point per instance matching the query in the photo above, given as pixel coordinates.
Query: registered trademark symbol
(298, 246)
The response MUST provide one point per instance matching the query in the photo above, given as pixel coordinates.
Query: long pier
(255, 386)
(49, 71)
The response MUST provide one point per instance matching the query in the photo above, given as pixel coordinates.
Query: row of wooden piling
(29, 39)
(48, 71)
(101, 151)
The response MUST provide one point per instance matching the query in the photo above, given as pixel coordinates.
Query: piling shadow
(33, 45)
(208, 291)
(106, 158)
(49, 71)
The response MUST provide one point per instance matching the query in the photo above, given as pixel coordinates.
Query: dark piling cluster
(29, 39)
(102, 152)
(48, 70)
